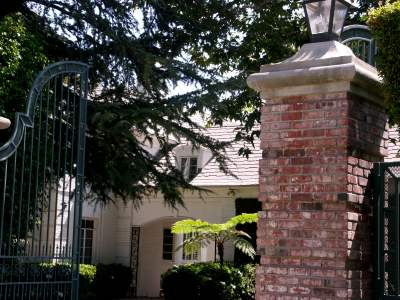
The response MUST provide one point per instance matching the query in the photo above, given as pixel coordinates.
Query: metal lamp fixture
(325, 18)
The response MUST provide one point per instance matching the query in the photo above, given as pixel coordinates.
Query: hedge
(384, 22)
(101, 282)
(209, 281)
(111, 281)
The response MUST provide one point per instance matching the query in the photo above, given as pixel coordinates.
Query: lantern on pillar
(325, 18)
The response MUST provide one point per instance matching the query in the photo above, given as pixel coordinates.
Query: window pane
(88, 252)
(318, 15)
(189, 256)
(183, 164)
(193, 168)
(89, 234)
(88, 243)
(168, 239)
(340, 15)
(86, 240)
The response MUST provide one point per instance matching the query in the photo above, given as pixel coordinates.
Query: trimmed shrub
(111, 281)
(87, 274)
(209, 281)
(102, 282)
(384, 22)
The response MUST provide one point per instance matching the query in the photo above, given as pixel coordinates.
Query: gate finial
(4, 123)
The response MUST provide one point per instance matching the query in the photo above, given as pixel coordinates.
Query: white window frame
(179, 258)
(84, 231)
(172, 246)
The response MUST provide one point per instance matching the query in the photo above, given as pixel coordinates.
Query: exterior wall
(394, 145)
(115, 222)
(105, 223)
(314, 234)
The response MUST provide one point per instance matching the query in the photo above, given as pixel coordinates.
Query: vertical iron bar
(3, 204)
(378, 208)
(80, 179)
(396, 235)
(60, 144)
(37, 173)
(71, 171)
(22, 184)
(44, 170)
(12, 204)
(10, 250)
(2, 221)
(50, 180)
(65, 165)
(22, 170)
(28, 213)
(382, 199)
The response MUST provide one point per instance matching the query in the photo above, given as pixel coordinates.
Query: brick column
(323, 126)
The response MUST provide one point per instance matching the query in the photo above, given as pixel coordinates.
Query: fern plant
(204, 233)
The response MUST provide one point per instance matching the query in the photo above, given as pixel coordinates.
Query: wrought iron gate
(41, 188)
(387, 217)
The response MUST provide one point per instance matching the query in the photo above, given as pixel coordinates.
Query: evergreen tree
(138, 51)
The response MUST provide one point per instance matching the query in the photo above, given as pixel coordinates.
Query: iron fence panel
(41, 188)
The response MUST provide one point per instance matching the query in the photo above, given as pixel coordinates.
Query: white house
(142, 238)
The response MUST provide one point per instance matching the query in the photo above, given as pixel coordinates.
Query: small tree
(205, 233)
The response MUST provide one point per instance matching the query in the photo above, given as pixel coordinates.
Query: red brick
(314, 133)
(290, 116)
(301, 161)
(352, 179)
(300, 179)
(299, 290)
(314, 174)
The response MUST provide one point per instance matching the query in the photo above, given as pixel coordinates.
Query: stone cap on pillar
(325, 67)
(4, 123)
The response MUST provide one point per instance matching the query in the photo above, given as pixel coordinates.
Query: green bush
(102, 282)
(209, 281)
(384, 22)
(111, 281)
(87, 274)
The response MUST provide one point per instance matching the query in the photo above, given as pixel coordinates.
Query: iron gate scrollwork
(387, 218)
(41, 188)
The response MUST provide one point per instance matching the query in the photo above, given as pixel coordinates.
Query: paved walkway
(142, 299)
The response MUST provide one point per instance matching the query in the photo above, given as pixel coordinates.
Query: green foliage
(87, 274)
(35, 272)
(88, 271)
(206, 233)
(139, 51)
(22, 56)
(101, 282)
(209, 281)
(384, 22)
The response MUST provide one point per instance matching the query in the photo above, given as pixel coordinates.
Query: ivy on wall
(384, 22)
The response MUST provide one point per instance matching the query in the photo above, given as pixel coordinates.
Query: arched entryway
(157, 253)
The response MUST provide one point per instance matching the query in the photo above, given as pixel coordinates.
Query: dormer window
(189, 167)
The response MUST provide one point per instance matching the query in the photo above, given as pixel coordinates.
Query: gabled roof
(245, 169)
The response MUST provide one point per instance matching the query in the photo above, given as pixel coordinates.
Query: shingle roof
(245, 169)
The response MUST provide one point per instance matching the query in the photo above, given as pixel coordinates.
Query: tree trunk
(220, 247)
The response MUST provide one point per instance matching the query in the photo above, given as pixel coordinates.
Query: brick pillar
(323, 126)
